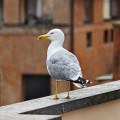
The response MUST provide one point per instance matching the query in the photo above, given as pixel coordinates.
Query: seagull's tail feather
(81, 82)
(79, 85)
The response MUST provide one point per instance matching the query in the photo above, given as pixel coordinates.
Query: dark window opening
(112, 36)
(88, 11)
(36, 86)
(106, 36)
(89, 39)
(1, 12)
(38, 12)
(115, 9)
(111, 10)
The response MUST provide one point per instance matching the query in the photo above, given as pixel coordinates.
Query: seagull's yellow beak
(42, 37)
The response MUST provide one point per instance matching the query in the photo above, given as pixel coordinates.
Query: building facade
(93, 35)
(22, 57)
(88, 32)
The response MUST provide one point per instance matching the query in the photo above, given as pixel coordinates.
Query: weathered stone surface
(79, 98)
(29, 117)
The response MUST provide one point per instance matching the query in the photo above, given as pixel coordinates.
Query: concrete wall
(105, 111)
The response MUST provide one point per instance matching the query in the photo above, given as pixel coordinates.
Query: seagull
(62, 64)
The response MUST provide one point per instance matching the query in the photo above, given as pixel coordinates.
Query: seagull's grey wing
(64, 65)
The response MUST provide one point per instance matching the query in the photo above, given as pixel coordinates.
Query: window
(111, 9)
(106, 36)
(89, 39)
(106, 10)
(1, 12)
(115, 9)
(88, 11)
(38, 11)
(112, 36)
(35, 86)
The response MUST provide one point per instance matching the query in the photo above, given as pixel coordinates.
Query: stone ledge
(79, 99)
(29, 117)
(33, 29)
(105, 77)
(116, 24)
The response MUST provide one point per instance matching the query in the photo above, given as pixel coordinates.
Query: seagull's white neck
(53, 47)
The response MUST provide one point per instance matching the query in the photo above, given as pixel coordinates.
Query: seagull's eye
(52, 33)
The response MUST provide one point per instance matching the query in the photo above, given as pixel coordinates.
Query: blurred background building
(87, 25)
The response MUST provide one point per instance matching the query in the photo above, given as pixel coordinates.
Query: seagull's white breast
(53, 48)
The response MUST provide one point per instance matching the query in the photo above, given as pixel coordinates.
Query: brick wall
(21, 53)
(11, 11)
(116, 68)
(97, 59)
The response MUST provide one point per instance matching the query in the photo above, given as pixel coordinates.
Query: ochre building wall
(98, 59)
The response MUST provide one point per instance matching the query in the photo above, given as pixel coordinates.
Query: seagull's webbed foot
(67, 97)
(55, 98)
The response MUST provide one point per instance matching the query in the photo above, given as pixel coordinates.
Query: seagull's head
(53, 35)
